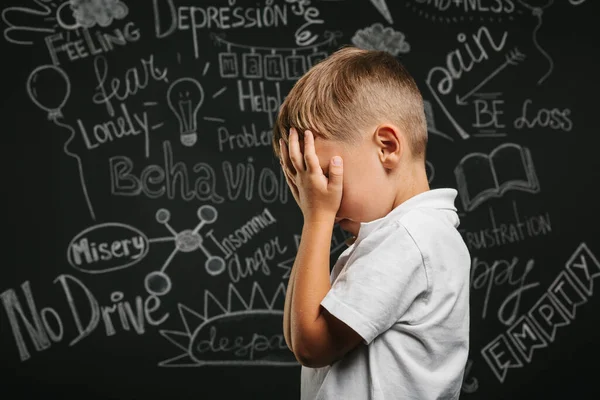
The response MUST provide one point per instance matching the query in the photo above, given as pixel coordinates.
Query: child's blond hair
(349, 91)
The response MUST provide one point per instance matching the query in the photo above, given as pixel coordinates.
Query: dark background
(556, 76)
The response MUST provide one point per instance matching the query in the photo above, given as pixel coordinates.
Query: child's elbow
(310, 360)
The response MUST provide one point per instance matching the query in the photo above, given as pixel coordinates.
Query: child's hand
(319, 197)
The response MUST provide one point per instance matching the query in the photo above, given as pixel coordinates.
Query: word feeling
(45, 326)
(172, 179)
(270, 15)
(555, 308)
(494, 6)
(89, 45)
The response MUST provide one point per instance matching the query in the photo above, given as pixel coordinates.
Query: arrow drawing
(512, 58)
(382, 7)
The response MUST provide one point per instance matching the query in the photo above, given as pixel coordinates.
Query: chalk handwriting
(544, 118)
(506, 232)
(440, 79)
(258, 261)
(243, 234)
(168, 19)
(91, 44)
(257, 100)
(487, 276)
(107, 247)
(208, 339)
(46, 326)
(488, 110)
(556, 308)
(133, 81)
(172, 179)
(468, 6)
(112, 130)
(248, 138)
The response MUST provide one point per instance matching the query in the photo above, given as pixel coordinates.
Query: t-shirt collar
(434, 198)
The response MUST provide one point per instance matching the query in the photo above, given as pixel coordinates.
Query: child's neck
(412, 181)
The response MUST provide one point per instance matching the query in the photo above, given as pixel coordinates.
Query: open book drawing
(481, 176)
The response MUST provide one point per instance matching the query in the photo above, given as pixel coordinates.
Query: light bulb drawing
(158, 282)
(185, 96)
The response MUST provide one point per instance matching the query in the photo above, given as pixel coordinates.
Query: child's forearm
(310, 281)
(287, 309)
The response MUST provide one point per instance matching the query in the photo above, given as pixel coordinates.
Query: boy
(392, 320)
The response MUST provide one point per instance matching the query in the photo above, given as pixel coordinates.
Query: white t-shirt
(403, 285)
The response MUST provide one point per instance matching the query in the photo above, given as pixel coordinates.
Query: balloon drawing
(49, 88)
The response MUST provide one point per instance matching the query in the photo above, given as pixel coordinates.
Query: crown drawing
(239, 333)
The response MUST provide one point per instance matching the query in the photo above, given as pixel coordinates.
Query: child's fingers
(292, 185)
(286, 163)
(310, 156)
(294, 151)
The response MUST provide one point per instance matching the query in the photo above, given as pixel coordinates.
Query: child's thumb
(336, 172)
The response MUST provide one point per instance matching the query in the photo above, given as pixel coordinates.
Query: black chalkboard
(152, 232)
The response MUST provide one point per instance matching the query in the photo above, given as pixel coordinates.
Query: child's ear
(391, 144)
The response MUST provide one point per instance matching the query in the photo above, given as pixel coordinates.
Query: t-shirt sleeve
(380, 281)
